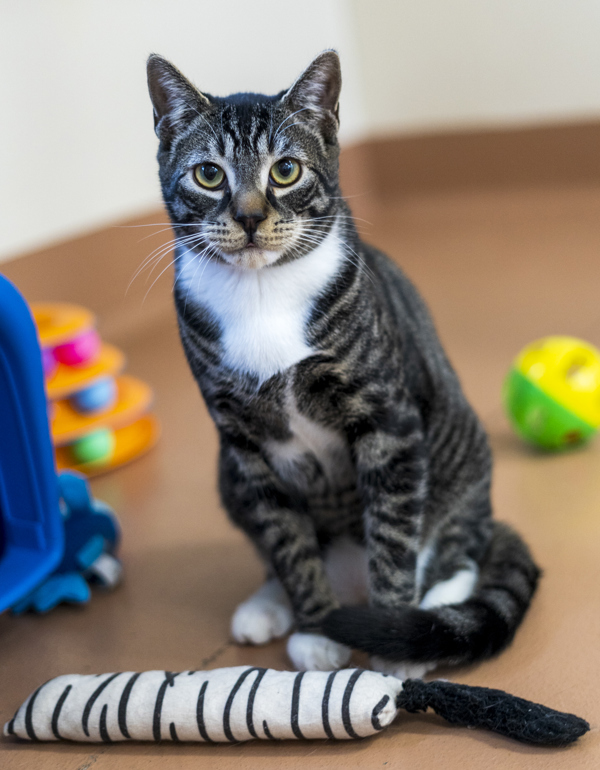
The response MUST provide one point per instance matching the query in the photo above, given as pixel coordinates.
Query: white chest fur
(309, 437)
(262, 314)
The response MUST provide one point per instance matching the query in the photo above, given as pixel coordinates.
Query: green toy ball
(552, 392)
(97, 447)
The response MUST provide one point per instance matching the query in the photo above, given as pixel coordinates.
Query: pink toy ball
(80, 350)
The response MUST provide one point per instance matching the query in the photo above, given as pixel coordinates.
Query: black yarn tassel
(493, 709)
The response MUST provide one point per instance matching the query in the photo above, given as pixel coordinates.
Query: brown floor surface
(498, 268)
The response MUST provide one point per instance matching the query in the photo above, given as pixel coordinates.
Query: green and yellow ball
(552, 392)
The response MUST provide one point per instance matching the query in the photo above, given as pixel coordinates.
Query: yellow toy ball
(552, 392)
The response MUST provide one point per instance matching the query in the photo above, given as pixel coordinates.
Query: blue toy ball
(98, 397)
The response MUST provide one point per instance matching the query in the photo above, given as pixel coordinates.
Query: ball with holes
(552, 393)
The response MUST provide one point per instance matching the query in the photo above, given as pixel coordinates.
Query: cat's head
(248, 179)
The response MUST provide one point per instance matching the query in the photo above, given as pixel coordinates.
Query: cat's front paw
(401, 670)
(265, 616)
(314, 652)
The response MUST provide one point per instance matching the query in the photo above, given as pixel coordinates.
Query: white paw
(455, 590)
(401, 670)
(313, 652)
(266, 615)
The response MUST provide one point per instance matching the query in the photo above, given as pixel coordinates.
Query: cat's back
(408, 312)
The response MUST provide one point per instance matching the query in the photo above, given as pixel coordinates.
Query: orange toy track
(133, 400)
(131, 442)
(59, 322)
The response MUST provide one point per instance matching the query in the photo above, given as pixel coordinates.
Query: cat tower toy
(100, 418)
(55, 539)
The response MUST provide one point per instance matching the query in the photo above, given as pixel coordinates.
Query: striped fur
(338, 412)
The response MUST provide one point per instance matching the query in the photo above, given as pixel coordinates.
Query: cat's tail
(460, 633)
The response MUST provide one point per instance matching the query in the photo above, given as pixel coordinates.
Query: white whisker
(156, 256)
(288, 117)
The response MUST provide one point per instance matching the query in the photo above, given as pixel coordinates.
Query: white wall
(439, 64)
(77, 145)
(76, 141)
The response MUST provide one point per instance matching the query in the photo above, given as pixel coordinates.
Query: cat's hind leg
(265, 616)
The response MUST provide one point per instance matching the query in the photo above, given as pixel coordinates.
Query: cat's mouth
(251, 256)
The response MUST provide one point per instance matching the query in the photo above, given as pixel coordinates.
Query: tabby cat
(348, 452)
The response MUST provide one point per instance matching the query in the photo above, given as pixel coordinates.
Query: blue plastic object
(91, 538)
(31, 528)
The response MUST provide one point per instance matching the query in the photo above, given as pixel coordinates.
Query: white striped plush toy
(242, 703)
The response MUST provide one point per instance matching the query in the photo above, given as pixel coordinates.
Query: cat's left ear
(317, 91)
(175, 100)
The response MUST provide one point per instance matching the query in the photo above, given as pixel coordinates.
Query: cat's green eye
(285, 172)
(209, 175)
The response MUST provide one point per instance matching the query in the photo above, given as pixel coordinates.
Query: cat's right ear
(175, 100)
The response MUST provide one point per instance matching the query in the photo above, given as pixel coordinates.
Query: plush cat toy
(242, 703)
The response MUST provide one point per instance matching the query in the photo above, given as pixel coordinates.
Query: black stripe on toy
(267, 731)
(57, 710)
(29, 715)
(200, 714)
(229, 704)
(325, 706)
(251, 697)
(122, 712)
(346, 703)
(169, 682)
(296, 705)
(92, 699)
(103, 730)
(173, 731)
(377, 711)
